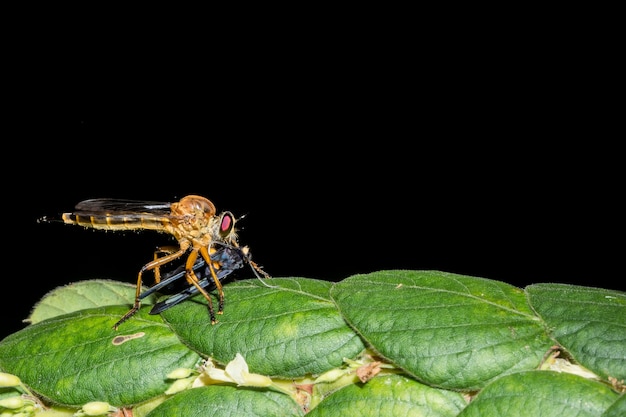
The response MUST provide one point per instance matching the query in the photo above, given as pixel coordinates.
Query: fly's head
(226, 232)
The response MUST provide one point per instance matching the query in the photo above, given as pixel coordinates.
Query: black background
(342, 164)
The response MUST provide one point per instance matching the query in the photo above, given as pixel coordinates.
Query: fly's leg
(147, 267)
(193, 279)
(257, 269)
(218, 284)
(158, 253)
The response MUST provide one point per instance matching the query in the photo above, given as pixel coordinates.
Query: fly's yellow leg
(147, 267)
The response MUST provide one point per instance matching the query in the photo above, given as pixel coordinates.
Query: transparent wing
(122, 206)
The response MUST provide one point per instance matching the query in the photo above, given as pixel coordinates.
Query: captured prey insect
(225, 261)
(193, 222)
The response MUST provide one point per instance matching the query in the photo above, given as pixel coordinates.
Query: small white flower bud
(12, 402)
(179, 385)
(180, 373)
(96, 408)
(9, 380)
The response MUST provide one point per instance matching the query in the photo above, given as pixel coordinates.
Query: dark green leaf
(448, 330)
(289, 331)
(390, 396)
(590, 323)
(541, 394)
(227, 401)
(78, 357)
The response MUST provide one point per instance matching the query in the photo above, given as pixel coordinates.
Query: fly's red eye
(227, 224)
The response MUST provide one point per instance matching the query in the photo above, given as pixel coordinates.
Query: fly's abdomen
(117, 221)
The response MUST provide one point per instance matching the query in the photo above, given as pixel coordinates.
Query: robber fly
(225, 261)
(193, 222)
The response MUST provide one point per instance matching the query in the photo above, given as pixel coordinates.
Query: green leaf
(387, 396)
(590, 323)
(618, 409)
(541, 394)
(225, 401)
(448, 330)
(290, 330)
(84, 294)
(77, 358)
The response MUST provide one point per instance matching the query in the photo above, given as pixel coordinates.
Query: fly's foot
(126, 316)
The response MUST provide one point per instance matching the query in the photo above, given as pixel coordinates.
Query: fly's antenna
(243, 216)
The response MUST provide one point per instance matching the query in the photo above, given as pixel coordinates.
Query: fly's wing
(118, 214)
(119, 205)
(113, 208)
(229, 258)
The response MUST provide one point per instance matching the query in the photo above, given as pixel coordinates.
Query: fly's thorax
(193, 236)
(193, 218)
(194, 204)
